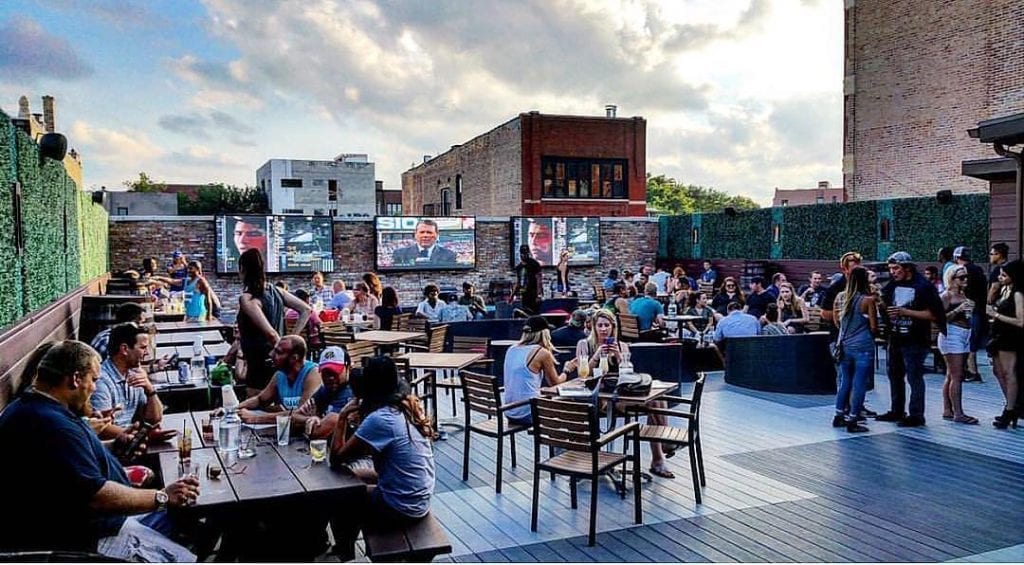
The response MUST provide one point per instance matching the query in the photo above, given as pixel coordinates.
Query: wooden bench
(419, 542)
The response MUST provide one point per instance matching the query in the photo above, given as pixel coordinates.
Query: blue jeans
(906, 365)
(854, 371)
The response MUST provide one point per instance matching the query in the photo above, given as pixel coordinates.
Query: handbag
(836, 349)
(632, 384)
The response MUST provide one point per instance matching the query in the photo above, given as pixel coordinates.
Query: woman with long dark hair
(261, 317)
(396, 432)
(385, 313)
(730, 292)
(373, 283)
(855, 313)
(1007, 316)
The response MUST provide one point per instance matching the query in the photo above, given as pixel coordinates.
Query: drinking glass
(318, 450)
(185, 447)
(284, 426)
(215, 425)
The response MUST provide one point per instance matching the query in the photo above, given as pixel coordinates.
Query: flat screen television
(290, 244)
(425, 243)
(549, 236)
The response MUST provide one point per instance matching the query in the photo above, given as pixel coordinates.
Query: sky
(740, 95)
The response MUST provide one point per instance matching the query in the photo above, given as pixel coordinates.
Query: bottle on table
(230, 426)
(198, 358)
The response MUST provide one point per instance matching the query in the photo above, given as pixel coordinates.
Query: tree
(223, 199)
(665, 195)
(144, 184)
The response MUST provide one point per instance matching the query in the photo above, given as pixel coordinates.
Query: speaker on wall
(944, 196)
(53, 145)
(97, 197)
(730, 211)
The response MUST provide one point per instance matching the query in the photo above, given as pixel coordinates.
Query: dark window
(121, 211)
(565, 177)
(291, 183)
(785, 202)
(318, 212)
(819, 200)
(885, 230)
(458, 192)
(332, 190)
(292, 211)
(446, 202)
(393, 209)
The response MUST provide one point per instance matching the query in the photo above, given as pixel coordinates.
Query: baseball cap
(579, 318)
(962, 252)
(177, 253)
(900, 257)
(334, 357)
(536, 324)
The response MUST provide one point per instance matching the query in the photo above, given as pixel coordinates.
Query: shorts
(955, 341)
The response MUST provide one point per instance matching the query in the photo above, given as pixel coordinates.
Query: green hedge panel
(747, 235)
(10, 263)
(93, 234)
(826, 231)
(43, 220)
(674, 235)
(922, 225)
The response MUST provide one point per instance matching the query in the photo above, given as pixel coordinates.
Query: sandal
(668, 450)
(947, 416)
(662, 471)
(965, 419)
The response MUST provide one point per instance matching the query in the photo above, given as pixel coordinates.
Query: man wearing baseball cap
(319, 415)
(912, 305)
(573, 331)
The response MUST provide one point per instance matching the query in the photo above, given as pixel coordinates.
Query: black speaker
(97, 197)
(730, 211)
(944, 196)
(53, 145)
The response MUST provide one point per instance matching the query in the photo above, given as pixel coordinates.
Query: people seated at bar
(473, 301)
(737, 324)
(340, 297)
(292, 385)
(649, 314)
(320, 294)
(384, 314)
(373, 283)
(617, 302)
(759, 297)
(682, 291)
(813, 293)
(318, 416)
(772, 325)
(362, 301)
(792, 310)
(729, 293)
(68, 492)
(430, 307)
(396, 431)
(777, 280)
(699, 307)
(126, 312)
(573, 331)
(530, 365)
(629, 280)
(610, 280)
(709, 274)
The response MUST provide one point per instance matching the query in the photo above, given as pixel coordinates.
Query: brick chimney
(49, 118)
(24, 111)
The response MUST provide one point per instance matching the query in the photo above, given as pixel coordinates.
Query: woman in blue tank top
(858, 326)
(198, 296)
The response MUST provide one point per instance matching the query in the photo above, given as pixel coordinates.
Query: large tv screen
(423, 243)
(290, 244)
(549, 236)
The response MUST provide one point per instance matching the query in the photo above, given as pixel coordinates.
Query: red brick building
(537, 165)
(918, 75)
(824, 194)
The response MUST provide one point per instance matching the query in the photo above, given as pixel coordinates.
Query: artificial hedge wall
(825, 231)
(65, 233)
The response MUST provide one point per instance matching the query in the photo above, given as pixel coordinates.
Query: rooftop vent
(609, 110)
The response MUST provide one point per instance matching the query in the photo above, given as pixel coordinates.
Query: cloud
(120, 13)
(113, 146)
(28, 51)
(199, 125)
(187, 124)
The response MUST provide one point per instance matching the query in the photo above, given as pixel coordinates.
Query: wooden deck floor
(782, 485)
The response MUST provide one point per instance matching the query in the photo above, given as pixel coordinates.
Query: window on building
(263, 184)
(122, 211)
(291, 183)
(333, 212)
(885, 230)
(393, 209)
(458, 192)
(819, 200)
(430, 209)
(292, 211)
(332, 190)
(318, 182)
(564, 177)
(446, 202)
(318, 211)
(785, 202)
(834, 199)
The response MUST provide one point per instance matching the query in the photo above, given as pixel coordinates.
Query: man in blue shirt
(66, 491)
(124, 382)
(609, 282)
(709, 275)
(291, 386)
(736, 324)
(340, 298)
(647, 309)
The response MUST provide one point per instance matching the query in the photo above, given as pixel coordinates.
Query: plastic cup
(215, 425)
(318, 450)
(284, 427)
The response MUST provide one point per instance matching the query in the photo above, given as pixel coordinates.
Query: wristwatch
(161, 499)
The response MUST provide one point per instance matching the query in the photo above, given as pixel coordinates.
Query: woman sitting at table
(682, 293)
(362, 301)
(388, 309)
(730, 292)
(530, 365)
(606, 352)
(397, 433)
(792, 311)
(699, 307)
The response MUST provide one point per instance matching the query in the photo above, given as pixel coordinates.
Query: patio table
(187, 337)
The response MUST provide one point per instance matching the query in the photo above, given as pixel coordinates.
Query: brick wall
(919, 74)
(625, 243)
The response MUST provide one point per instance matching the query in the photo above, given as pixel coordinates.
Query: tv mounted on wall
(290, 244)
(425, 243)
(548, 236)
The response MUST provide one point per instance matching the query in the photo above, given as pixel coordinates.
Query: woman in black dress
(1007, 317)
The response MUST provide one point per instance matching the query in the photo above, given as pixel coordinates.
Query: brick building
(918, 75)
(537, 165)
(342, 187)
(824, 194)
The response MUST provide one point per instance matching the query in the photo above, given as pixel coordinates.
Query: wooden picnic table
(274, 473)
(189, 326)
(184, 352)
(187, 337)
(388, 337)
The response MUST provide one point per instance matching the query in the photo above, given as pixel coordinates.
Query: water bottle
(230, 426)
(672, 309)
(198, 358)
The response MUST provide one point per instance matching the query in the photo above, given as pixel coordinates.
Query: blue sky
(744, 96)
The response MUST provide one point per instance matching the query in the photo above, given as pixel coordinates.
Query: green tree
(665, 195)
(218, 198)
(144, 184)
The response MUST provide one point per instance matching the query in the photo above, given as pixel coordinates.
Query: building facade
(342, 187)
(824, 194)
(918, 75)
(537, 165)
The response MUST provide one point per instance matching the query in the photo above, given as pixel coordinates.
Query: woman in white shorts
(954, 344)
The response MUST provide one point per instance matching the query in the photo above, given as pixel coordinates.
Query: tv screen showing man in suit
(415, 243)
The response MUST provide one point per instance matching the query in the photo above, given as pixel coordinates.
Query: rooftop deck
(782, 485)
